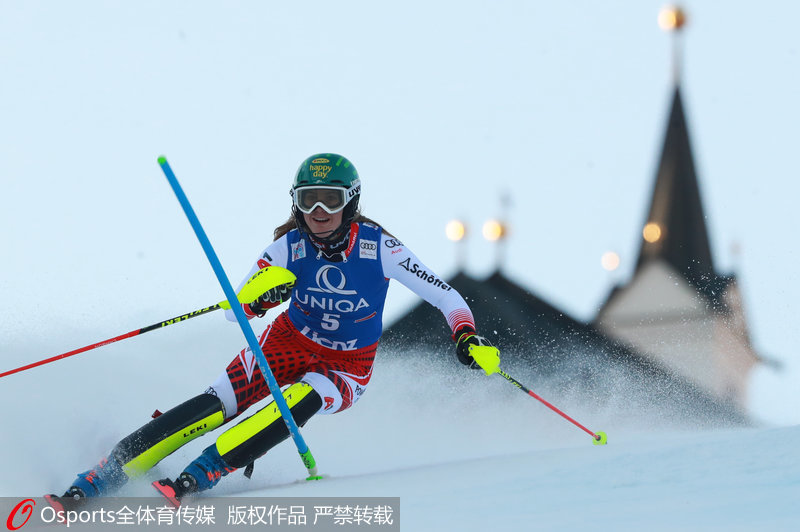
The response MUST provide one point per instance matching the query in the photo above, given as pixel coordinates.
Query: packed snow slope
(462, 451)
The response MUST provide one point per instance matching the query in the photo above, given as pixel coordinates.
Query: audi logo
(372, 246)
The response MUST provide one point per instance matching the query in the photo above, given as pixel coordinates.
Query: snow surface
(462, 451)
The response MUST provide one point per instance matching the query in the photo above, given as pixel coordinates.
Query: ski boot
(202, 474)
(73, 500)
(106, 477)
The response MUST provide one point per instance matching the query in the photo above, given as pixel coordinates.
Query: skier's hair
(291, 223)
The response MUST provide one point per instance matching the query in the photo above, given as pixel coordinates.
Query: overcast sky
(442, 106)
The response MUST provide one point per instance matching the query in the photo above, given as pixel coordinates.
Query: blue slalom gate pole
(252, 341)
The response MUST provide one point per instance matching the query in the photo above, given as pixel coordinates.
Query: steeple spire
(672, 19)
(675, 231)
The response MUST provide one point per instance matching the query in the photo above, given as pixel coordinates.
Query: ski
(65, 504)
(167, 489)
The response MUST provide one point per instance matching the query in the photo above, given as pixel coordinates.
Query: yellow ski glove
(478, 353)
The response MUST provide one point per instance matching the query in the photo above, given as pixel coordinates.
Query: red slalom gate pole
(599, 438)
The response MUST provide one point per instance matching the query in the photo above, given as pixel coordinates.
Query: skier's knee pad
(168, 432)
(253, 437)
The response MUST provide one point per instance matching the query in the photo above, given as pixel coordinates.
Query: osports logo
(329, 285)
(23, 509)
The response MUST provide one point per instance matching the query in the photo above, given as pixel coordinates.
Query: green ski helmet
(329, 181)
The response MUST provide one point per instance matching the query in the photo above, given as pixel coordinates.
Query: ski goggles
(331, 199)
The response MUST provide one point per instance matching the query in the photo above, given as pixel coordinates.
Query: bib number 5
(330, 322)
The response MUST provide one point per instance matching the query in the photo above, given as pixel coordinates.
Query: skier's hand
(271, 298)
(477, 352)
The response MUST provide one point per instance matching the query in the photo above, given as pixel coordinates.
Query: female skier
(320, 350)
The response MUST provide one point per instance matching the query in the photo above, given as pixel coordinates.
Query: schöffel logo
(422, 274)
(20, 514)
(329, 285)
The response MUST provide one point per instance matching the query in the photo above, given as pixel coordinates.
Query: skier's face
(322, 224)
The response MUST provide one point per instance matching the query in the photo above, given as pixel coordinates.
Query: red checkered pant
(339, 377)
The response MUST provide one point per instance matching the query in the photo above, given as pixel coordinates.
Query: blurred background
(551, 118)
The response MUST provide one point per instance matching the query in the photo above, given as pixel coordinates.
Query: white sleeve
(276, 254)
(401, 264)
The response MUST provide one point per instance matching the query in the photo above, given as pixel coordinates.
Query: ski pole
(247, 330)
(599, 438)
(488, 358)
(262, 281)
(115, 339)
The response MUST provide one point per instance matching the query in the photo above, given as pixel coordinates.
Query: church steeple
(675, 230)
(676, 309)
